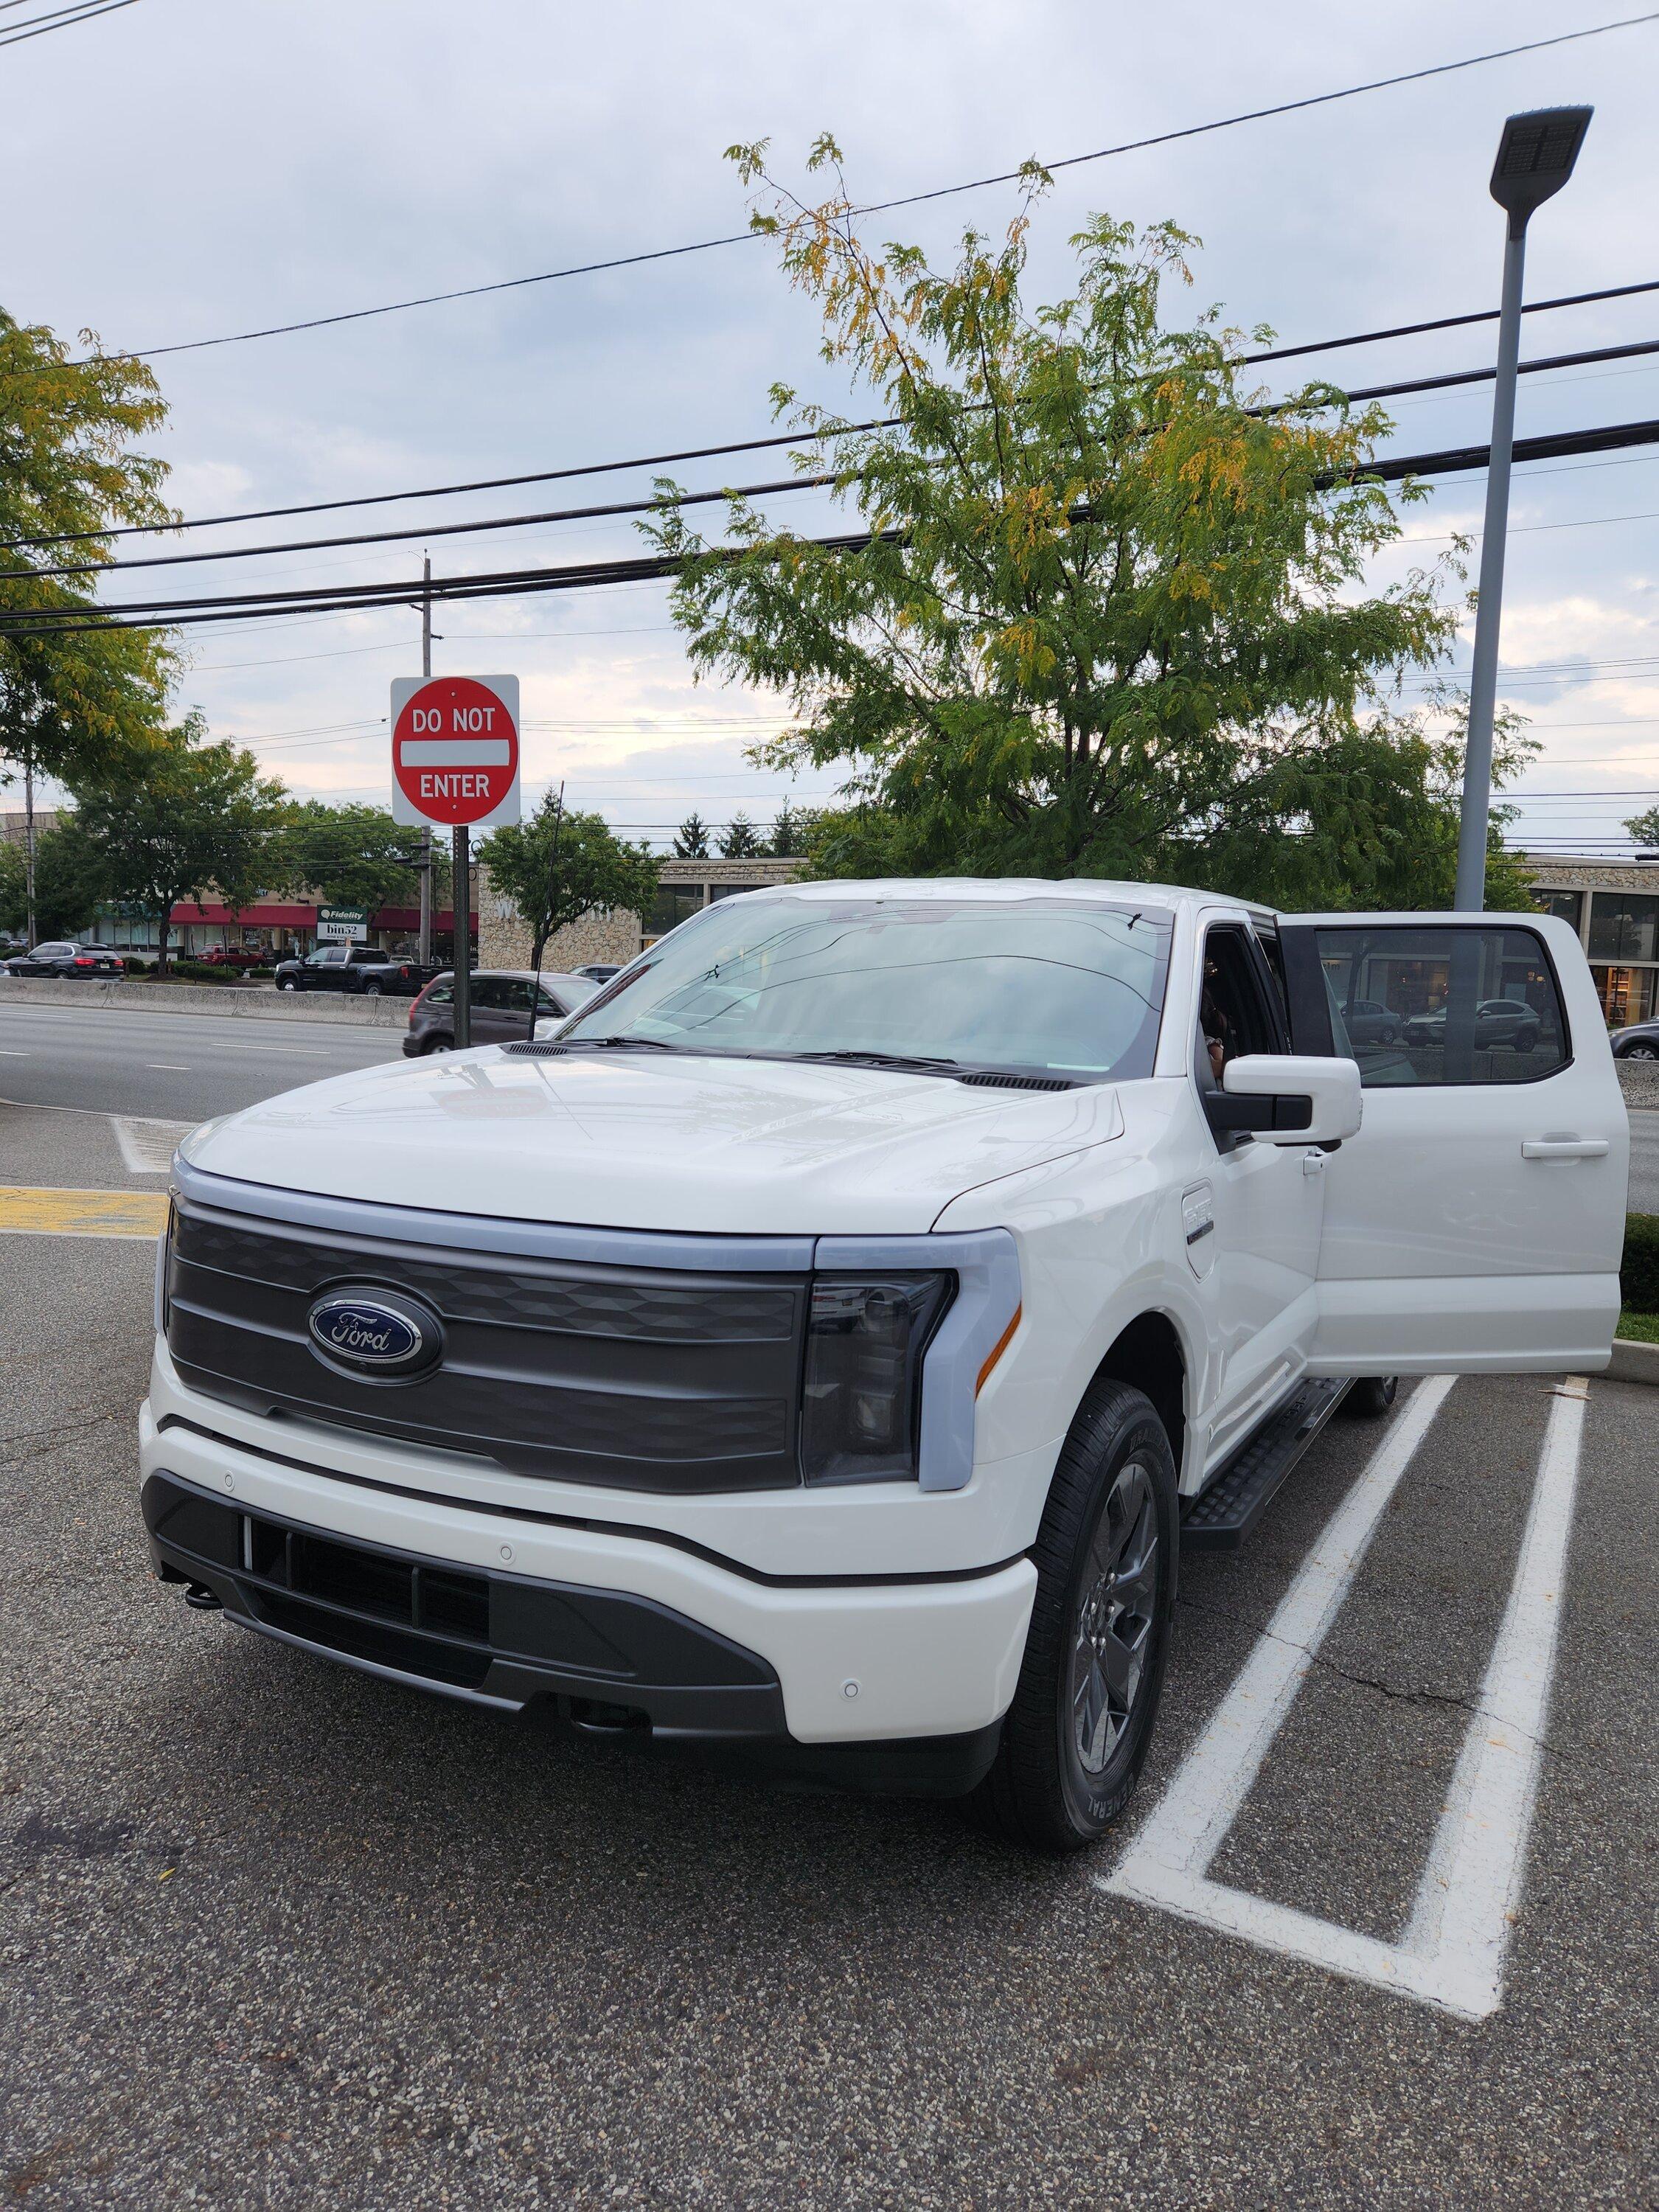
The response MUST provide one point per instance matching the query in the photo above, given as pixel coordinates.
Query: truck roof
(1011, 889)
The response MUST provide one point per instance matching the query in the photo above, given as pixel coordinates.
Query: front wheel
(286, 983)
(1370, 1396)
(1386, 1035)
(1076, 1737)
(1526, 1042)
(1640, 1051)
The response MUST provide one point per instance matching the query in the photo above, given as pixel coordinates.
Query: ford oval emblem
(375, 1333)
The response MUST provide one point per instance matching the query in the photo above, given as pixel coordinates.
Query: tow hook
(203, 1600)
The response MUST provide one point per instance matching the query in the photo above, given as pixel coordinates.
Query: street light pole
(425, 829)
(1536, 157)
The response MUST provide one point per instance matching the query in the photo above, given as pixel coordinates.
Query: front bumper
(679, 1642)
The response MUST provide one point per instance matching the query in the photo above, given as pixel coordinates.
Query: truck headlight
(861, 1397)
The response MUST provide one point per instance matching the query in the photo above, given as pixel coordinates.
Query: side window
(1236, 1014)
(516, 998)
(1472, 1004)
(489, 993)
(441, 994)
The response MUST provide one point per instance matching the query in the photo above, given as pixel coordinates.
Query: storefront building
(1615, 911)
(274, 929)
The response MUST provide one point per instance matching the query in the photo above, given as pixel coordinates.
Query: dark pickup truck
(360, 969)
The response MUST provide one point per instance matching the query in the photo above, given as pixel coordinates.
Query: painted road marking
(54, 1212)
(147, 1145)
(1451, 1955)
(10, 1052)
(172, 1066)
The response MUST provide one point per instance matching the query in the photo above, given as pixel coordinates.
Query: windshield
(1055, 986)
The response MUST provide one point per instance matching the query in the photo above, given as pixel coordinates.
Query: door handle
(1564, 1148)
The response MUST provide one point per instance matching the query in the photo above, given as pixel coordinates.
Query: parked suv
(358, 971)
(1639, 1042)
(67, 959)
(1497, 1021)
(823, 1345)
(500, 1008)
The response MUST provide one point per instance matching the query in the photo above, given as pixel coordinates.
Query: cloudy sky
(188, 170)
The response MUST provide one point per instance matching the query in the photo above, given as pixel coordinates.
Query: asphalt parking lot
(275, 1933)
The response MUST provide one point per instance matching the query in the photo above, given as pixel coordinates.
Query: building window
(1566, 906)
(1624, 925)
(673, 904)
(1627, 995)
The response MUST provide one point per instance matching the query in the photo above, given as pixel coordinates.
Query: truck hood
(608, 1139)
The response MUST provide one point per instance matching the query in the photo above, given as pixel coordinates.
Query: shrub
(1639, 1274)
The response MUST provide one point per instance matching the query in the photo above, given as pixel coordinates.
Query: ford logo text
(374, 1332)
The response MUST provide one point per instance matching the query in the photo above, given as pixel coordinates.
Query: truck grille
(631, 1378)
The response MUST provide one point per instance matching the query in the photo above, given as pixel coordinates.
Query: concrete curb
(254, 1001)
(1632, 1362)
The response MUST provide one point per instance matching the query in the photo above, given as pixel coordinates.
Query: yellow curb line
(57, 1212)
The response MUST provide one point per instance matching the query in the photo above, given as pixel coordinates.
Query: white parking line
(1451, 1955)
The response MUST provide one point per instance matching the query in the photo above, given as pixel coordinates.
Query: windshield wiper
(911, 1063)
(622, 1044)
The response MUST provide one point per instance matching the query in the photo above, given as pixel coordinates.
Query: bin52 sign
(455, 749)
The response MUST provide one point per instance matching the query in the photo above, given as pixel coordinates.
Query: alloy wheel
(1115, 1608)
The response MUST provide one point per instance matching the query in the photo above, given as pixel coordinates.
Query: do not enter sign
(455, 750)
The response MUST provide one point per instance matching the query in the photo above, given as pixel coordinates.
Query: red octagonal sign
(455, 749)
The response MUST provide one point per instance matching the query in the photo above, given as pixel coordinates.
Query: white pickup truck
(822, 1346)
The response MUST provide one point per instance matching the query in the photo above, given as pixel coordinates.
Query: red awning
(272, 915)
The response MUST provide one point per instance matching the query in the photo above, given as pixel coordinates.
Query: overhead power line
(154, 614)
(701, 498)
(895, 421)
(60, 19)
(907, 199)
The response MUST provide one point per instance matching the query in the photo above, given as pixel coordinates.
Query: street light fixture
(1536, 157)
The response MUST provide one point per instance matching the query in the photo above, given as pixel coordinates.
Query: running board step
(1222, 1517)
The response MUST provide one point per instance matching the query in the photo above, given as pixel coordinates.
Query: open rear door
(1476, 1222)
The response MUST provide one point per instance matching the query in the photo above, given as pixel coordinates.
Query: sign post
(455, 764)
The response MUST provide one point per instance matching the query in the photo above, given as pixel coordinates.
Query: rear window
(1463, 1005)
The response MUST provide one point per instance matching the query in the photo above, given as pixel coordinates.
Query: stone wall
(504, 939)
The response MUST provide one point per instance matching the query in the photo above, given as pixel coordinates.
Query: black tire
(1369, 1397)
(1386, 1036)
(1113, 1498)
(437, 1044)
(286, 983)
(371, 990)
(1527, 1041)
(1640, 1051)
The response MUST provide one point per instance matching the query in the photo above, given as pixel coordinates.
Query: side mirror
(1288, 1099)
(547, 1025)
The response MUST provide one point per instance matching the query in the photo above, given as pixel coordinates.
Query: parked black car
(598, 971)
(62, 959)
(500, 1009)
(1639, 1042)
(356, 970)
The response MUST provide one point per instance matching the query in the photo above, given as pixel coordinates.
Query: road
(180, 1068)
(274, 1933)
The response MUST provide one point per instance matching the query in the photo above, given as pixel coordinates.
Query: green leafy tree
(790, 832)
(739, 840)
(692, 842)
(358, 855)
(1645, 828)
(180, 819)
(559, 865)
(69, 881)
(72, 699)
(1110, 617)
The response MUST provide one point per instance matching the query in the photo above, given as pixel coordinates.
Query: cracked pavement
(275, 1935)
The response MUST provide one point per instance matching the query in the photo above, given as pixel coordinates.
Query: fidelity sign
(455, 750)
